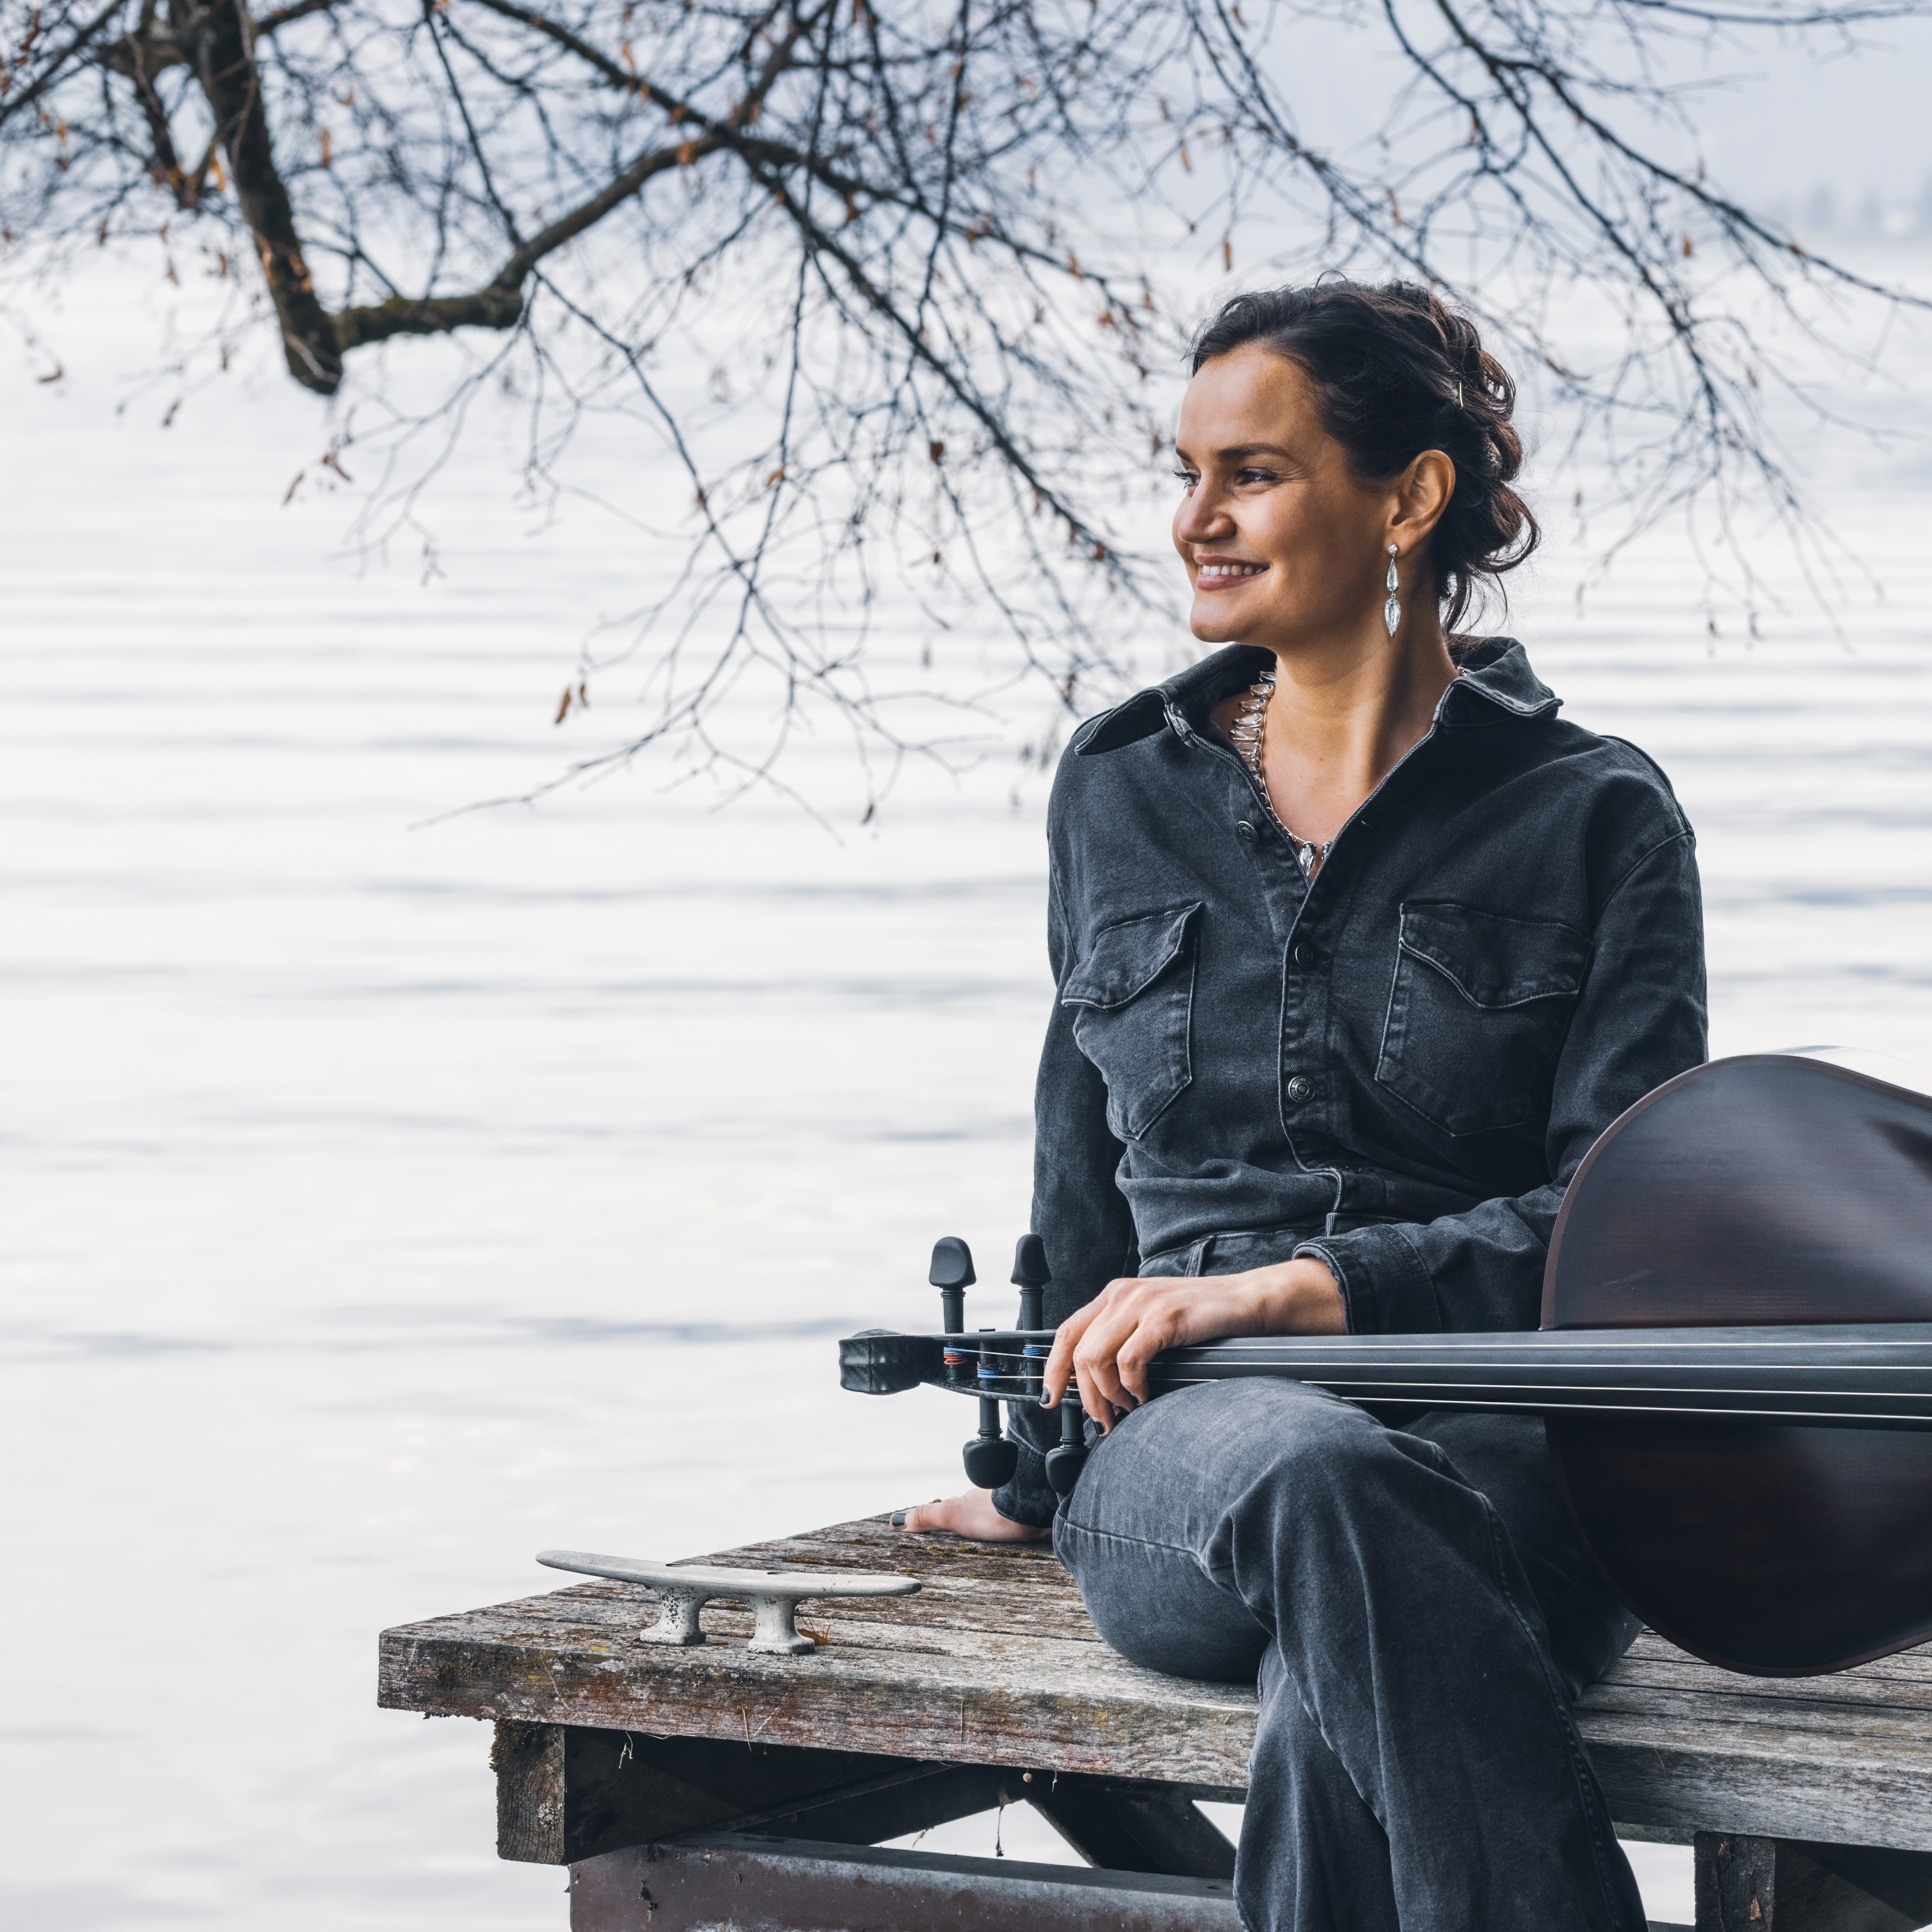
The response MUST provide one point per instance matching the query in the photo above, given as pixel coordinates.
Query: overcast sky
(1794, 116)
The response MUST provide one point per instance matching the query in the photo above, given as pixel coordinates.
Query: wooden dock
(713, 1786)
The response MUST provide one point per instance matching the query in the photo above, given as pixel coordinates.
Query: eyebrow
(1241, 449)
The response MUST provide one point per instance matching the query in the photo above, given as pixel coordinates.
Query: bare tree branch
(881, 280)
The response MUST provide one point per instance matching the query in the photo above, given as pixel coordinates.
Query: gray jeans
(1419, 1616)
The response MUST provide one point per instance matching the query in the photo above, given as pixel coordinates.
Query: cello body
(1769, 1189)
(1734, 1366)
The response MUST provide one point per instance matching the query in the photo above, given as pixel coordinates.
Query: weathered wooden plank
(1793, 1701)
(624, 1609)
(1106, 1718)
(1719, 1778)
(996, 1662)
(1905, 1666)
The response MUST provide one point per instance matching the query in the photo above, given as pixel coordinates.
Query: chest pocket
(1134, 992)
(1477, 1014)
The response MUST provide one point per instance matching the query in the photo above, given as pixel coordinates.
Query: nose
(1202, 516)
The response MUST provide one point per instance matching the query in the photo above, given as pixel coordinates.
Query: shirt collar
(1495, 673)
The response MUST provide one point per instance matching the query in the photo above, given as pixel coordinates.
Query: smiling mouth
(1218, 576)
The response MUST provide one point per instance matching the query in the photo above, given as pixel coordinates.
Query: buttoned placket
(1288, 892)
(1304, 993)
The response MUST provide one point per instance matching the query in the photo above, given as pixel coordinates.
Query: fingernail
(899, 1518)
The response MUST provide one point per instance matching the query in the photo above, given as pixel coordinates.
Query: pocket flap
(1127, 958)
(1492, 960)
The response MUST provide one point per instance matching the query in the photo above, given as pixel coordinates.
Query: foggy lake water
(386, 1199)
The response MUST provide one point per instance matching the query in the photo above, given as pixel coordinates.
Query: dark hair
(1396, 372)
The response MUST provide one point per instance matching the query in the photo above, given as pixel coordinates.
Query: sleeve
(1078, 1211)
(1640, 1020)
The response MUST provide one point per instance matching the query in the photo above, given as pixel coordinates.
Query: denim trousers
(1418, 1617)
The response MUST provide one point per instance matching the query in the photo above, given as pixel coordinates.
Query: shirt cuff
(1386, 1289)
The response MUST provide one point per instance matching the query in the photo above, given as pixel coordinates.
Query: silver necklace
(1245, 732)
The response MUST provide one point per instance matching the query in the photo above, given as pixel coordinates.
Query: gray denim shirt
(1395, 1068)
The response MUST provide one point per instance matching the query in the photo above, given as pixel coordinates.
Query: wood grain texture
(996, 1662)
(528, 1760)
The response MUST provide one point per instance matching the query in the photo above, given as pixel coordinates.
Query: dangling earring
(1392, 610)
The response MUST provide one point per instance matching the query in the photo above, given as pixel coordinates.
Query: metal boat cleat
(773, 1594)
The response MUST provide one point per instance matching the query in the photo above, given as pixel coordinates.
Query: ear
(1422, 494)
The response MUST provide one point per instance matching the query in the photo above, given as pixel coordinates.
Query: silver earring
(1392, 610)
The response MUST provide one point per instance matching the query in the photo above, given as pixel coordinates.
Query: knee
(1278, 1431)
(1306, 1425)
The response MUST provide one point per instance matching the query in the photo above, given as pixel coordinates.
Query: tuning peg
(952, 1274)
(1030, 1268)
(1031, 1275)
(952, 1264)
(990, 1459)
(1063, 1464)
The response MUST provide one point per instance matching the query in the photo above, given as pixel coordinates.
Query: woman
(1358, 946)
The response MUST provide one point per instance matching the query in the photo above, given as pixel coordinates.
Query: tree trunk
(218, 35)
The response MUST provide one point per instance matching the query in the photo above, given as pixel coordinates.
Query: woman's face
(1282, 545)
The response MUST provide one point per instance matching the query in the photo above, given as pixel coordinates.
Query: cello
(1734, 1365)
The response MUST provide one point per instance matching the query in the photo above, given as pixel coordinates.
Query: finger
(1134, 1356)
(1096, 1372)
(1096, 1404)
(1160, 1323)
(1098, 1351)
(1060, 1358)
(921, 1516)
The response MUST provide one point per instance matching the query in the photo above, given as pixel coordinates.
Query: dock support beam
(717, 1879)
(1788, 1885)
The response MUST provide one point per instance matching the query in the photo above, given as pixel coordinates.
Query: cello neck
(1871, 1374)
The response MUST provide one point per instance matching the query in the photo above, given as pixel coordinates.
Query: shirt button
(1246, 830)
(1300, 1087)
(1304, 954)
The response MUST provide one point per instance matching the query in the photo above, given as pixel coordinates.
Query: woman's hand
(971, 1515)
(1106, 1346)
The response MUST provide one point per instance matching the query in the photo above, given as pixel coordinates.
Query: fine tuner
(994, 1365)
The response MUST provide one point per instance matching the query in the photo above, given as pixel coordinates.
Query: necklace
(1245, 732)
